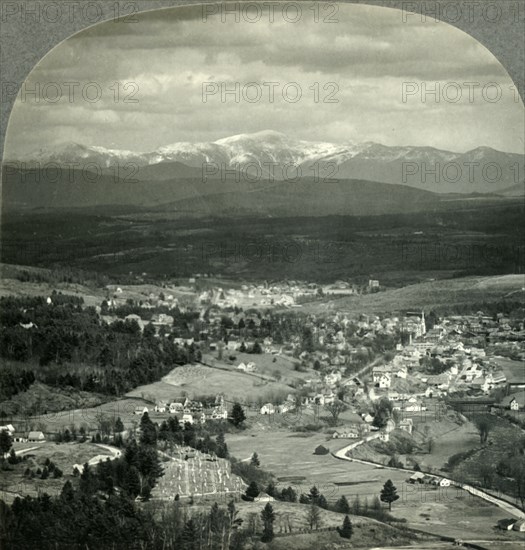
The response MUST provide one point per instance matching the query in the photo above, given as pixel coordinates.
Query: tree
(255, 460)
(382, 412)
(313, 516)
(342, 506)
(484, 423)
(253, 490)
(148, 431)
(356, 506)
(346, 530)
(335, 409)
(517, 472)
(119, 426)
(5, 442)
(222, 448)
(238, 416)
(389, 493)
(268, 518)
(257, 349)
(189, 535)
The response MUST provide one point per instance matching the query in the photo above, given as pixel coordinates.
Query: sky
(364, 60)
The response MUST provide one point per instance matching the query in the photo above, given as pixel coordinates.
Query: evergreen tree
(346, 530)
(304, 499)
(255, 460)
(268, 518)
(148, 431)
(270, 489)
(389, 493)
(237, 416)
(189, 536)
(5, 442)
(342, 506)
(132, 482)
(314, 494)
(119, 426)
(253, 490)
(87, 483)
(322, 502)
(222, 448)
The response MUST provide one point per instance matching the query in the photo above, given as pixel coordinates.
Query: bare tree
(313, 517)
(335, 409)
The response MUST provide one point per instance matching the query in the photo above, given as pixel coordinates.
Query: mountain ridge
(273, 154)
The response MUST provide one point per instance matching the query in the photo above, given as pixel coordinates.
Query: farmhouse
(141, 410)
(514, 402)
(416, 477)
(247, 367)
(160, 407)
(36, 436)
(348, 433)
(268, 409)
(176, 408)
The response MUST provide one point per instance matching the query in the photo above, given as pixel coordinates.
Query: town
(222, 379)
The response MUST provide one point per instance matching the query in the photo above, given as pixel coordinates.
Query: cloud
(365, 59)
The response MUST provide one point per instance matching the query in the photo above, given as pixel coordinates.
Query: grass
(200, 380)
(428, 295)
(64, 455)
(452, 511)
(267, 364)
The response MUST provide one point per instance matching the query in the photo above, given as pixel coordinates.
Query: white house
(141, 410)
(8, 428)
(349, 433)
(268, 409)
(382, 377)
(160, 407)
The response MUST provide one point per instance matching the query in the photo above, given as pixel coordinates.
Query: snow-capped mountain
(423, 167)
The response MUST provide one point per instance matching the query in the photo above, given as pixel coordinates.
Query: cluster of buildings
(187, 410)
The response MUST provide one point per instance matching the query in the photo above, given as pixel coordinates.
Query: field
(64, 455)
(89, 418)
(267, 365)
(368, 533)
(276, 448)
(201, 380)
(513, 370)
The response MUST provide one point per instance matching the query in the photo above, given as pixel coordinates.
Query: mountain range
(267, 153)
(266, 173)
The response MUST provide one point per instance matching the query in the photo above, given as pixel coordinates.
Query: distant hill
(430, 295)
(517, 190)
(190, 195)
